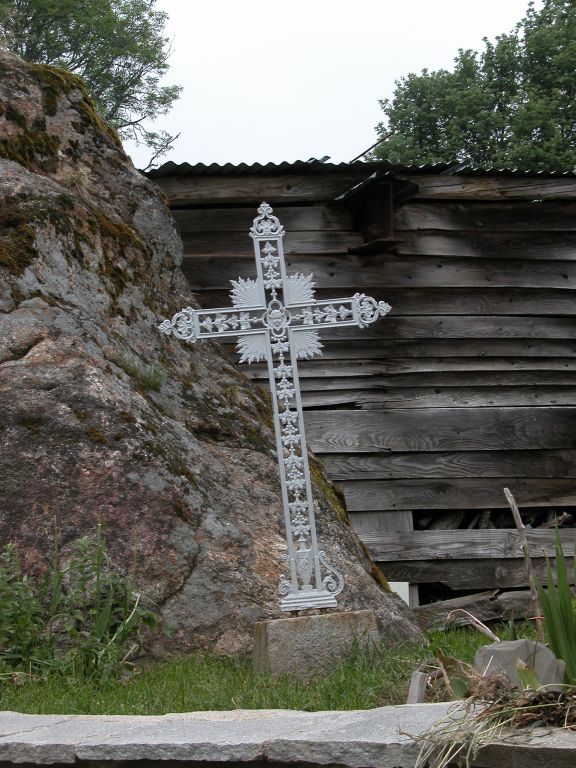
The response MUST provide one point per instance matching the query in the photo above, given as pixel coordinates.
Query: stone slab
(357, 739)
(306, 646)
(376, 738)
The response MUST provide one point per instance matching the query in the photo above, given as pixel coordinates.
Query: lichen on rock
(103, 419)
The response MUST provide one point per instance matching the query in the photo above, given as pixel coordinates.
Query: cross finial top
(265, 224)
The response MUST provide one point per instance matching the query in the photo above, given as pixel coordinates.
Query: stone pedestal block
(307, 645)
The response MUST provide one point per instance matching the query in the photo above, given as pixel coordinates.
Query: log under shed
(467, 387)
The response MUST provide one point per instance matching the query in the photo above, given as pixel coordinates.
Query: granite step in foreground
(376, 738)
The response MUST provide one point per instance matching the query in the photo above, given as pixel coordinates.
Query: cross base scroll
(312, 599)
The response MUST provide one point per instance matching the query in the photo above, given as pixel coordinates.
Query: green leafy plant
(82, 619)
(21, 614)
(557, 603)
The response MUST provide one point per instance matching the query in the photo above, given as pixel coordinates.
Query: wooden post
(526, 550)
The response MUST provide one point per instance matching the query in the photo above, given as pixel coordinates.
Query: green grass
(147, 376)
(363, 681)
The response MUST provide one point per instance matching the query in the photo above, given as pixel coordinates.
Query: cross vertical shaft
(277, 319)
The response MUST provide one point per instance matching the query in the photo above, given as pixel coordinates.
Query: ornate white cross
(277, 320)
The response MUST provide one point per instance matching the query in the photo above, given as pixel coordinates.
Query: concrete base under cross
(306, 646)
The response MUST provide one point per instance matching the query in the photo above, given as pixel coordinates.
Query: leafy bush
(82, 619)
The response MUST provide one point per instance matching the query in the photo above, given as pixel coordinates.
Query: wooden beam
(374, 350)
(486, 606)
(458, 187)
(341, 273)
(518, 217)
(375, 523)
(309, 218)
(443, 464)
(550, 246)
(204, 245)
(466, 574)
(458, 493)
(441, 429)
(245, 189)
(363, 368)
(468, 378)
(447, 397)
(463, 302)
(454, 327)
(276, 188)
(455, 397)
(388, 546)
(371, 350)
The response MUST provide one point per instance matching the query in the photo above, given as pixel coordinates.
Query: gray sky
(290, 80)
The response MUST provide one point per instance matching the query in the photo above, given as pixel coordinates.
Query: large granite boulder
(103, 419)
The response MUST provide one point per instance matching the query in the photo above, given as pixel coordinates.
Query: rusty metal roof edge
(316, 166)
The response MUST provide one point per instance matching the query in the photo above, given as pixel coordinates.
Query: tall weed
(82, 619)
(557, 603)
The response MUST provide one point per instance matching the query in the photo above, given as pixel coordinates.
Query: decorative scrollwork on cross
(182, 325)
(369, 309)
(265, 224)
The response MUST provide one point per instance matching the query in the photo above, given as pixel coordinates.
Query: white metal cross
(277, 319)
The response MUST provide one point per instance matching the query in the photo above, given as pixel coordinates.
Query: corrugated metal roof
(316, 166)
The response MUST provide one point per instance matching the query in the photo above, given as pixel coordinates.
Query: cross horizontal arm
(359, 310)
(191, 324)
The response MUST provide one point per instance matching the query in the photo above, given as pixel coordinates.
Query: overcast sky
(290, 80)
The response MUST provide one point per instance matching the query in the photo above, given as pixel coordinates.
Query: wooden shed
(468, 386)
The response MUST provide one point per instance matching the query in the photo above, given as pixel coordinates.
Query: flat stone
(361, 738)
(387, 737)
(503, 657)
(307, 645)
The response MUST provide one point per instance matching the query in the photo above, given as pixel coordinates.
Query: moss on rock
(14, 115)
(332, 493)
(18, 219)
(32, 148)
(335, 498)
(55, 83)
(17, 240)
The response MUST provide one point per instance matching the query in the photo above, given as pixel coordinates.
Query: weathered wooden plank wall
(467, 387)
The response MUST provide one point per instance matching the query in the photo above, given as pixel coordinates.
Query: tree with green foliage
(117, 47)
(512, 105)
